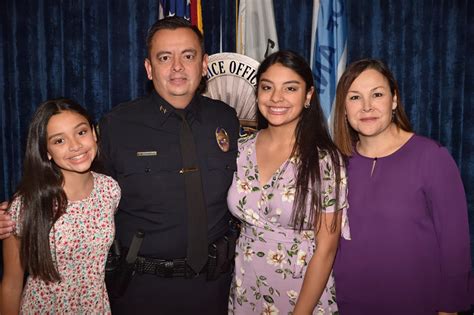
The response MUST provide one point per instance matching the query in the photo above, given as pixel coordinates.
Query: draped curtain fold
(93, 51)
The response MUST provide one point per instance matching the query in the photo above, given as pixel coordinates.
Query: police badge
(222, 139)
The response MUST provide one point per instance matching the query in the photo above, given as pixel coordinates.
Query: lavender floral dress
(271, 257)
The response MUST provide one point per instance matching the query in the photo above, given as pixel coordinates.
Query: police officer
(173, 154)
(146, 145)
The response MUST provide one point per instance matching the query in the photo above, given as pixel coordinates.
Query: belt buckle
(164, 269)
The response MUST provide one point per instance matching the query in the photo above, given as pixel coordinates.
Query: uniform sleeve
(235, 131)
(14, 211)
(105, 154)
(328, 191)
(447, 202)
(116, 194)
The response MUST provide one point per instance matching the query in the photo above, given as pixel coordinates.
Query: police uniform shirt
(140, 148)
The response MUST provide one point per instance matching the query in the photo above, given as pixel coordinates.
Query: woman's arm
(320, 265)
(446, 199)
(13, 274)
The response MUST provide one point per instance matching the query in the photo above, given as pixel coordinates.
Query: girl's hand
(6, 225)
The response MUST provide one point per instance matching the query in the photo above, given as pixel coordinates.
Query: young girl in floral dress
(289, 191)
(64, 215)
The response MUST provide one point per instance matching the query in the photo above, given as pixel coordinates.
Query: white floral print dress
(271, 257)
(79, 242)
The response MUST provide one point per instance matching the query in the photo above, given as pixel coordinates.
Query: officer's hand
(6, 225)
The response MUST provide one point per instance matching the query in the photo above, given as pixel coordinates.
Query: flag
(189, 9)
(175, 7)
(161, 14)
(328, 49)
(256, 33)
(196, 14)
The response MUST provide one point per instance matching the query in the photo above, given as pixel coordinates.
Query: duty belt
(164, 268)
(220, 260)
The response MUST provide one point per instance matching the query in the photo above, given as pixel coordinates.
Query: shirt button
(227, 167)
(147, 170)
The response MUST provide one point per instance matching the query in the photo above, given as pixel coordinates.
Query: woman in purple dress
(409, 252)
(289, 191)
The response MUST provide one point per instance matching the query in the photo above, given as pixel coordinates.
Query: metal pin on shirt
(147, 153)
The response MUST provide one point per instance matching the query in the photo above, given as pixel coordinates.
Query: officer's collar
(165, 109)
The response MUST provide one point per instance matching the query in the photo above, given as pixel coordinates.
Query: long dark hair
(312, 143)
(345, 136)
(43, 199)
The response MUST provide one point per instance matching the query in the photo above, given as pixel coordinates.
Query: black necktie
(196, 254)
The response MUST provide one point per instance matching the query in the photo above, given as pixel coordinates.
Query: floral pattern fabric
(79, 242)
(271, 256)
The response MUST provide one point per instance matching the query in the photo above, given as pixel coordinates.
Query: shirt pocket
(224, 166)
(149, 177)
(221, 170)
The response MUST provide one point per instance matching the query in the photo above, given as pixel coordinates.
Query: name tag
(147, 153)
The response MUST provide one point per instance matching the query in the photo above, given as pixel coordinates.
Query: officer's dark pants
(148, 294)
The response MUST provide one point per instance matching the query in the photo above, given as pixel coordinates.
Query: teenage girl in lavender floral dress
(289, 191)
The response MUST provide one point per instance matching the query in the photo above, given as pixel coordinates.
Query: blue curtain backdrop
(93, 51)
(429, 45)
